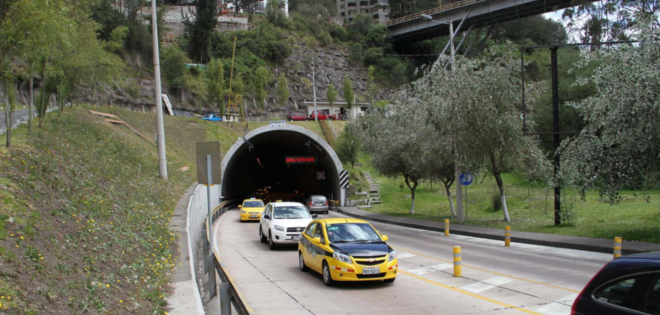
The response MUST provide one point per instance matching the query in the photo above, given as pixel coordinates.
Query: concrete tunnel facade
(257, 160)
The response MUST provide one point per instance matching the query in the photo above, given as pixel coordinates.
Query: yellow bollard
(617, 247)
(458, 271)
(507, 236)
(446, 227)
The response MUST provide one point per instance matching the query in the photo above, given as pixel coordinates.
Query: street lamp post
(162, 158)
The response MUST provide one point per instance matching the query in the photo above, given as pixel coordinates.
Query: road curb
(551, 240)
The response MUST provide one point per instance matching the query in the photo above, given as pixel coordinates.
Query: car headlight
(391, 256)
(279, 228)
(341, 257)
(243, 212)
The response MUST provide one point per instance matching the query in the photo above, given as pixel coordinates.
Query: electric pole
(162, 158)
(316, 112)
(459, 187)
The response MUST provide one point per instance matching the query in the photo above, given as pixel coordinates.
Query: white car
(282, 223)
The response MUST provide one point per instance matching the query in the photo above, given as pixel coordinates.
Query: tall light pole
(316, 112)
(459, 186)
(162, 158)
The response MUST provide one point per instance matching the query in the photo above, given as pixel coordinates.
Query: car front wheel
(262, 237)
(327, 276)
(301, 262)
(271, 244)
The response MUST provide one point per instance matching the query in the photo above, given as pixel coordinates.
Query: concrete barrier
(197, 214)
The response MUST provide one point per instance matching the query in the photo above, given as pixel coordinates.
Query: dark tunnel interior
(260, 163)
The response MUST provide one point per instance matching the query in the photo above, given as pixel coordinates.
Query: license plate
(371, 271)
(319, 204)
(295, 238)
(254, 216)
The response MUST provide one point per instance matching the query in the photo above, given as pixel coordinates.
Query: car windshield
(253, 204)
(293, 212)
(351, 232)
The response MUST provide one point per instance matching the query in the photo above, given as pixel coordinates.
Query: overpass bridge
(468, 13)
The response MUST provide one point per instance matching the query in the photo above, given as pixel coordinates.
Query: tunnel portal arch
(257, 160)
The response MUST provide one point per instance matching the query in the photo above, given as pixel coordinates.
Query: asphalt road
(17, 117)
(496, 280)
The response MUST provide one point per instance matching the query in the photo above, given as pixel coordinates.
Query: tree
(348, 91)
(348, 146)
(174, 68)
(609, 20)
(262, 77)
(215, 80)
(199, 27)
(395, 143)
(283, 89)
(372, 89)
(400, 8)
(620, 143)
(484, 94)
(274, 13)
(32, 29)
(331, 94)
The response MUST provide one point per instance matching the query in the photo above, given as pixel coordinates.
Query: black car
(626, 285)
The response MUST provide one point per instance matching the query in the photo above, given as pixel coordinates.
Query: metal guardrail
(229, 294)
(431, 11)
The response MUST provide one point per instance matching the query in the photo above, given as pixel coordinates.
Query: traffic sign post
(207, 153)
(466, 179)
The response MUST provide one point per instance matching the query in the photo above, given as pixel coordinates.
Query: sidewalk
(184, 298)
(553, 240)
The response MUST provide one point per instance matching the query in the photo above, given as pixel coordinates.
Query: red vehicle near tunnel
(323, 115)
(296, 117)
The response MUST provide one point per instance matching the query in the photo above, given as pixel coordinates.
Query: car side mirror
(384, 238)
(267, 217)
(317, 240)
(239, 206)
(314, 215)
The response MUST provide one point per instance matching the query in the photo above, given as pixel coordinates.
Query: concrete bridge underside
(414, 28)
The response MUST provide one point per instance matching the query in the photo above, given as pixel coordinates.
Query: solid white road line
(559, 307)
(429, 269)
(487, 284)
(404, 255)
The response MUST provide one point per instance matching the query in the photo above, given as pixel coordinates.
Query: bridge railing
(447, 7)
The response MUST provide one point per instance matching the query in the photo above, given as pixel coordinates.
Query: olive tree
(620, 143)
(395, 138)
(476, 109)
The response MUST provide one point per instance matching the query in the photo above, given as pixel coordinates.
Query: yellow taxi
(251, 209)
(346, 249)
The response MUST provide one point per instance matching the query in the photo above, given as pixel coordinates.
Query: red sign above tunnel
(300, 159)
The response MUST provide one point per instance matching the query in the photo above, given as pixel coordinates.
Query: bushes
(338, 32)
(174, 67)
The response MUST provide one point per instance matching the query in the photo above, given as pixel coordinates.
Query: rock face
(331, 67)
(330, 63)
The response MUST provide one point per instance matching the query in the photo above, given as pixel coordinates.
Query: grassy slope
(84, 215)
(84, 219)
(636, 218)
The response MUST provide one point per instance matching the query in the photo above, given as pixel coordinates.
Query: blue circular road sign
(466, 179)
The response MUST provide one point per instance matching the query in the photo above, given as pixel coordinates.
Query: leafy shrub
(338, 32)
(324, 37)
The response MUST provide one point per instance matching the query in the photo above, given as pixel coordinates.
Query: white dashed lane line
(429, 269)
(559, 307)
(487, 284)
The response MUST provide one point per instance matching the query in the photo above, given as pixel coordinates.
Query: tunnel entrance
(289, 162)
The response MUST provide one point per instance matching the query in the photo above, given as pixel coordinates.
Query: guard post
(617, 247)
(458, 270)
(507, 236)
(446, 227)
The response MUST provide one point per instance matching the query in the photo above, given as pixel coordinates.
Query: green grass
(84, 221)
(636, 218)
